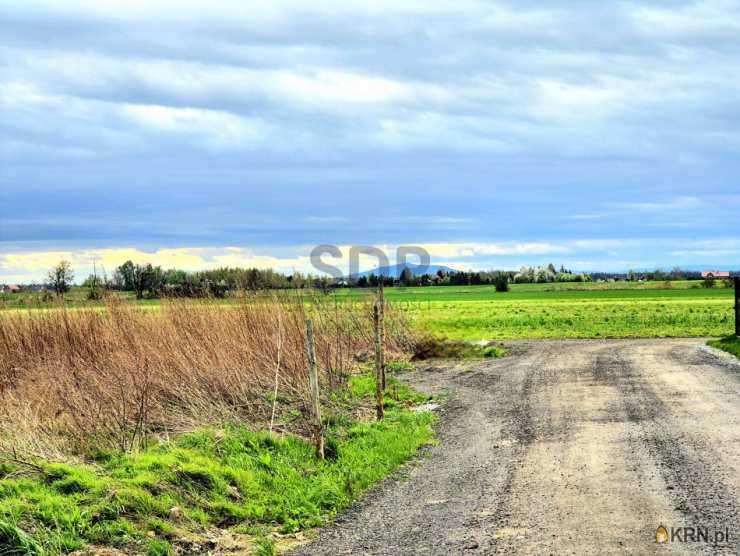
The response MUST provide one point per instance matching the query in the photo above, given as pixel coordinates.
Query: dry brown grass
(76, 380)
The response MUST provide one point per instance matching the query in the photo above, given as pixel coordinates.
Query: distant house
(715, 274)
(10, 288)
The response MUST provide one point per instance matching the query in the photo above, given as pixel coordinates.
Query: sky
(599, 135)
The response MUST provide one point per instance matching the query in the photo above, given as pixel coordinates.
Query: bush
(501, 281)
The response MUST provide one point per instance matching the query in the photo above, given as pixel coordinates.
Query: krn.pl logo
(661, 535)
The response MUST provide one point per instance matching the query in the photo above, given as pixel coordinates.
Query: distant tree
(140, 281)
(707, 283)
(124, 277)
(218, 289)
(541, 275)
(501, 281)
(148, 279)
(178, 283)
(407, 277)
(96, 285)
(297, 280)
(253, 281)
(61, 277)
(526, 275)
(323, 284)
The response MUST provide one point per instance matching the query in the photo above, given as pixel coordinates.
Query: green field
(554, 310)
(609, 310)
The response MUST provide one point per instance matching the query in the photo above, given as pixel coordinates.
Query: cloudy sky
(602, 135)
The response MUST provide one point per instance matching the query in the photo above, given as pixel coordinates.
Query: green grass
(554, 311)
(561, 310)
(77, 296)
(236, 477)
(730, 344)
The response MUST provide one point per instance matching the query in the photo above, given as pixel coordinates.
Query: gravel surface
(564, 447)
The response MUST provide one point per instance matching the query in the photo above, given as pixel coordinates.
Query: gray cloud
(287, 122)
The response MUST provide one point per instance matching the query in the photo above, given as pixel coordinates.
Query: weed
(730, 344)
(430, 347)
(253, 478)
(264, 546)
(14, 542)
(159, 547)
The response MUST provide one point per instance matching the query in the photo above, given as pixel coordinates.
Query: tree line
(498, 278)
(149, 281)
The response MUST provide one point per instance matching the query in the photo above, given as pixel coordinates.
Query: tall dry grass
(72, 381)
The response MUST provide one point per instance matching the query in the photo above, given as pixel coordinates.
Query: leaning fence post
(737, 306)
(313, 383)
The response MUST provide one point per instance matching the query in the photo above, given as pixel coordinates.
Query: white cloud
(676, 204)
(32, 266)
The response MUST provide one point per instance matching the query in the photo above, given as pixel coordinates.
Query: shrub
(501, 281)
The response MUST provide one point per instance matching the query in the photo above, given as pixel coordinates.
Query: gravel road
(565, 447)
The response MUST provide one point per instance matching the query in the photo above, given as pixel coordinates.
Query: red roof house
(715, 274)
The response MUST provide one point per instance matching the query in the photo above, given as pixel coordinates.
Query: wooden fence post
(378, 363)
(313, 383)
(737, 306)
(381, 325)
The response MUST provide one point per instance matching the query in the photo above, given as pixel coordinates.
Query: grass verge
(430, 347)
(730, 344)
(170, 497)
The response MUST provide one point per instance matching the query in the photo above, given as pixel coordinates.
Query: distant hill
(396, 270)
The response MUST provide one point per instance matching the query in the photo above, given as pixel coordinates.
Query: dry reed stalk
(76, 380)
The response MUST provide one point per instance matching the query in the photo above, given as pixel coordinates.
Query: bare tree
(60, 277)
